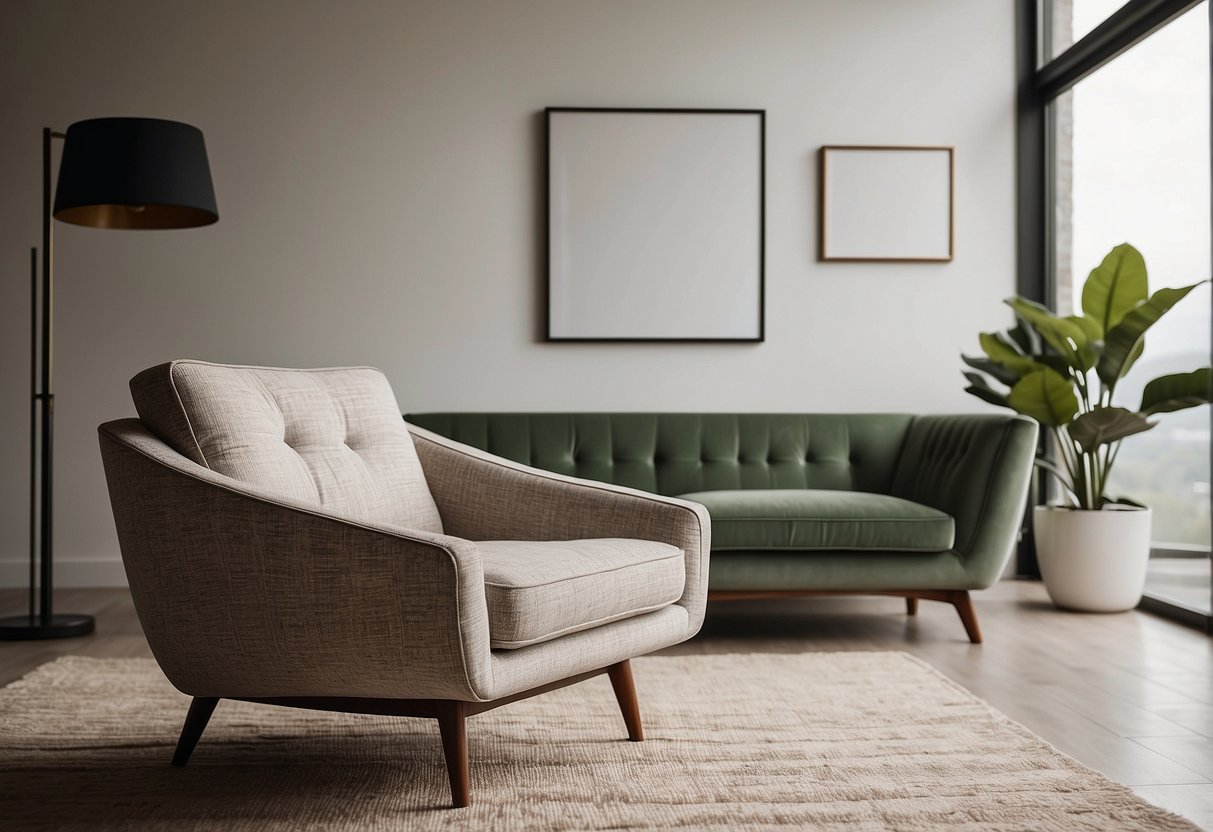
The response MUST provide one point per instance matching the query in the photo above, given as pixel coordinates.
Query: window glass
(1073, 20)
(1131, 164)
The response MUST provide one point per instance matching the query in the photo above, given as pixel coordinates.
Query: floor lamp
(126, 173)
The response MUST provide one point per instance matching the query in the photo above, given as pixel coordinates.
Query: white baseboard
(69, 573)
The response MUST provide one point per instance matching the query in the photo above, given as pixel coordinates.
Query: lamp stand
(42, 622)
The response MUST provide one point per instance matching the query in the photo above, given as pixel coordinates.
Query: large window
(1073, 20)
(1131, 163)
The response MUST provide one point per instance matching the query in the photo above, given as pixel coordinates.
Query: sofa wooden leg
(625, 693)
(452, 725)
(911, 605)
(964, 607)
(195, 723)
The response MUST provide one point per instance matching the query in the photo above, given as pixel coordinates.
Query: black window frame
(1040, 82)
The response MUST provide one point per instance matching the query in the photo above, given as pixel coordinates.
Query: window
(1073, 20)
(1130, 157)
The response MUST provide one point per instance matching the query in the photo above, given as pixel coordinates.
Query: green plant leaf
(1000, 349)
(1089, 326)
(1024, 337)
(997, 371)
(1177, 392)
(1063, 478)
(979, 387)
(1105, 425)
(1121, 341)
(1088, 352)
(1066, 337)
(1115, 287)
(1055, 362)
(1046, 396)
(1054, 469)
(1105, 500)
(1133, 356)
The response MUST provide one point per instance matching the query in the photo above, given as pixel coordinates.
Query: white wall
(377, 171)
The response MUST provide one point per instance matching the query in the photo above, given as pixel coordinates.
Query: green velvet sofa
(924, 507)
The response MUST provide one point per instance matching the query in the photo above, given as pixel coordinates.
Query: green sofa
(924, 507)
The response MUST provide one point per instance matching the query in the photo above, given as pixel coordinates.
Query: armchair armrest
(486, 497)
(244, 594)
(977, 469)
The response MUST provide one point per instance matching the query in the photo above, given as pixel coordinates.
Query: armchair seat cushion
(815, 519)
(540, 590)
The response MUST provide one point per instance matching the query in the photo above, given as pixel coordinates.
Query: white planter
(1093, 561)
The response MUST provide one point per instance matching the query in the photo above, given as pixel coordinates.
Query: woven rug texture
(824, 741)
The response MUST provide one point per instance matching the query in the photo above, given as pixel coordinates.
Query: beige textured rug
(851, 741)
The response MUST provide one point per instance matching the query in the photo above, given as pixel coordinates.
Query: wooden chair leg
(195, 723)
(968, 617)
(911, 605)
(625, 693)
(452, 724)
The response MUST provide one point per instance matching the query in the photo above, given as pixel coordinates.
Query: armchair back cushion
(332, 438)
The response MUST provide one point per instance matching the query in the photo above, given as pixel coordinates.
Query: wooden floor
(1130, 694)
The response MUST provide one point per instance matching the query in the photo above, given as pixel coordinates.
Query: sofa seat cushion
(814, 520)
(538, 591)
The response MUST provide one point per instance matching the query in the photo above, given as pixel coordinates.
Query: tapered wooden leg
(195, 723)
(911, 605)
(453, 726)
(968, 617)
(625, 692)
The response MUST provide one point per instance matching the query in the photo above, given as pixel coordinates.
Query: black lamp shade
(135, 173)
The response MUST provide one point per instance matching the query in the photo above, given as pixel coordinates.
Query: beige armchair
(288, 539)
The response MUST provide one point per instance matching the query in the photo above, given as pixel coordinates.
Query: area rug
(855, 741)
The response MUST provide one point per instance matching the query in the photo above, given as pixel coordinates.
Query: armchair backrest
(330, 437)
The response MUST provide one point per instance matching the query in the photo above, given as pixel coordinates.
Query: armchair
(288, 539)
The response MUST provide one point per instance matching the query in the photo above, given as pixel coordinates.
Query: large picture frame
(887, 204)
(655, 224)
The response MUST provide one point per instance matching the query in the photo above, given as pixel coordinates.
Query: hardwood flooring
(1129, 694)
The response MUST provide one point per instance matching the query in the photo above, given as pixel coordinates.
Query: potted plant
(1092, 549)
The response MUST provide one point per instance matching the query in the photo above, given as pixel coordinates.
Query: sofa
(922, 507)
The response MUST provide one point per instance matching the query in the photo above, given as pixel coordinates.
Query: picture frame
(887, 204)
(655, 224)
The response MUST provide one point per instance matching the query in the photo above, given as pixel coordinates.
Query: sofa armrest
(243, 594)
(485, 497)
(977, 469)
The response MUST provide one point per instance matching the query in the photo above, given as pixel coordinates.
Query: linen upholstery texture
(330, 437)
(537, 591)
(245, 593)
(242, 593)
(807, 519)
(482, 496)
(974, 468)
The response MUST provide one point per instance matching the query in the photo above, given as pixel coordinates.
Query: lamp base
(27, 628)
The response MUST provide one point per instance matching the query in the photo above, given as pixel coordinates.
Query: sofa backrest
(331, 438)
(677, 453)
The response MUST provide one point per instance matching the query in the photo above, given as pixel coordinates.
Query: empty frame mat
(886, 203)
(655, 225)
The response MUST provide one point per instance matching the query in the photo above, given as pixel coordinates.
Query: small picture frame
(887, 204)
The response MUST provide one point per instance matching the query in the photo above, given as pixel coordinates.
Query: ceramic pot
(1093, 561)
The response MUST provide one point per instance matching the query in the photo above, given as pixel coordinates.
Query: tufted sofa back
(678, 453)
(330, 438)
